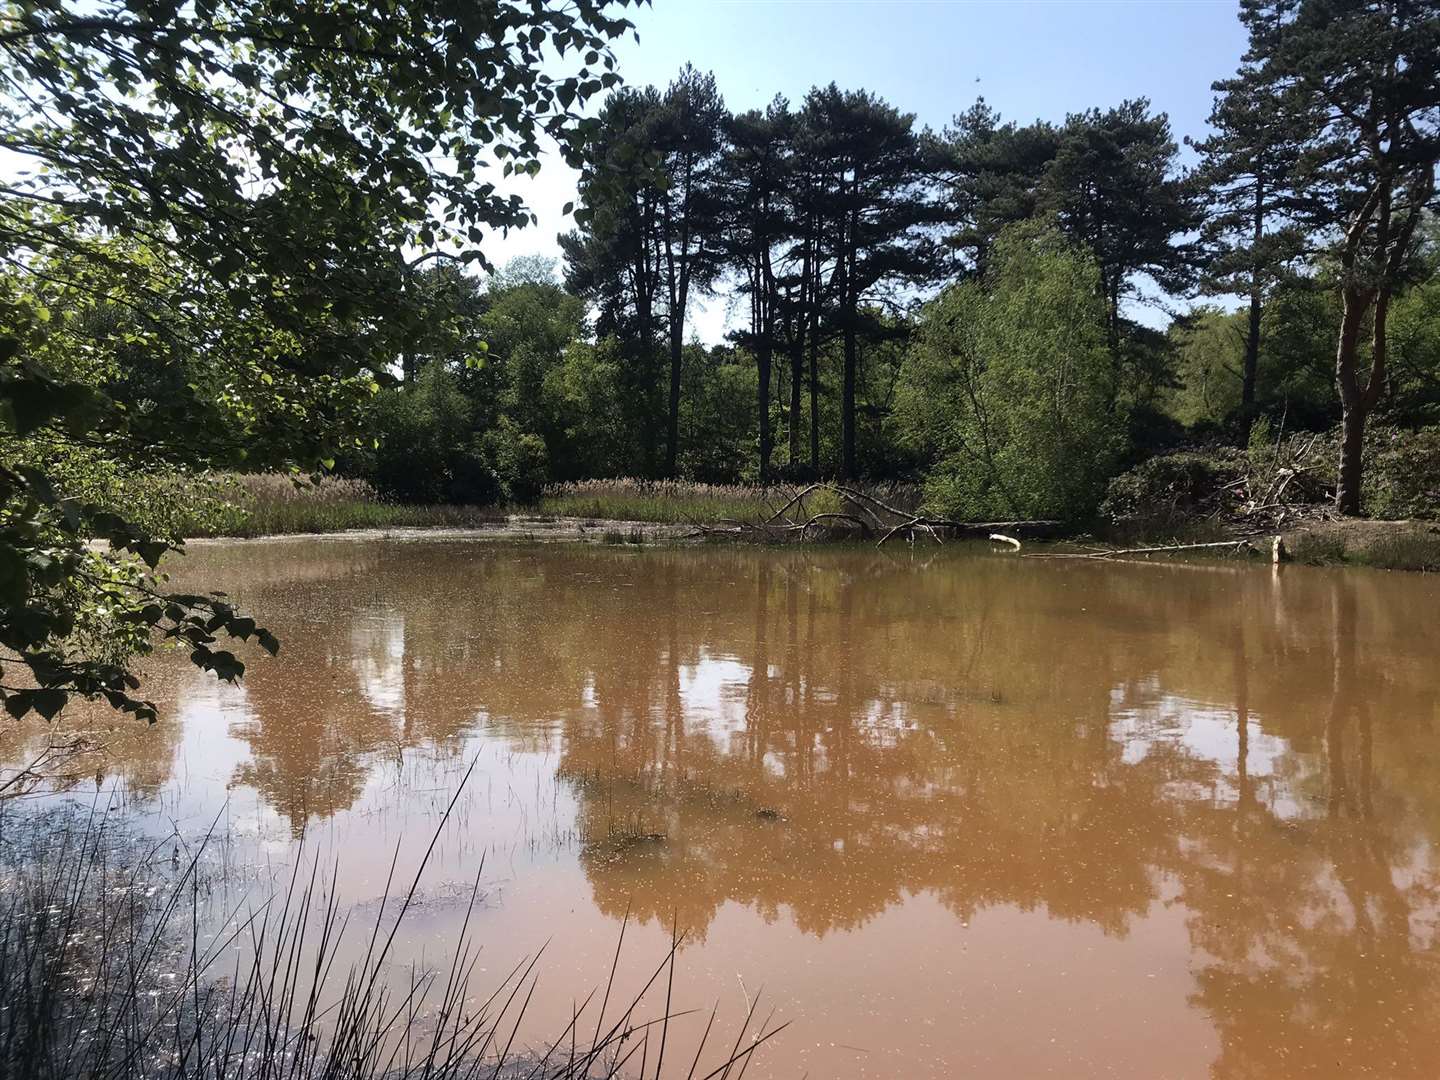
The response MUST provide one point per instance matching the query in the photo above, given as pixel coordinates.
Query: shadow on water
(1232, 773)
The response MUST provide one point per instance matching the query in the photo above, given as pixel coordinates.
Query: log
(1164, 549)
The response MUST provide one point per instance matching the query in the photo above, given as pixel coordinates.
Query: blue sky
(1029, 58)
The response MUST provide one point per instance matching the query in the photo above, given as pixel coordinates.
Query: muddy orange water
(948, 814)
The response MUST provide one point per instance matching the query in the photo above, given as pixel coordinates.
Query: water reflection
(824, 738)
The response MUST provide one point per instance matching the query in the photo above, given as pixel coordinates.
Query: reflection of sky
(378, 645)
(714, 690)
(1144, 717)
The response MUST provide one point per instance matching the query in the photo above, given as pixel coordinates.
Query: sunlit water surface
(948, 814)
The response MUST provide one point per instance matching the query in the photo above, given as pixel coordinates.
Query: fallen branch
(1164, 549)
(1001, 538)
(863, 515)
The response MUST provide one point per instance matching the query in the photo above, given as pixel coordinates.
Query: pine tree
(1250, 237)
(1362, 79)
(755, 179)
(1114, 187)
(875, 204)
(650, 216)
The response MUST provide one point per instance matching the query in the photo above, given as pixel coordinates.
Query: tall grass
(666, 501)
(681, 501)
(267, 504)
(248, 505)
(107, 971)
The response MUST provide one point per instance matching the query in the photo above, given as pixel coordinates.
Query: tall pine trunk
(850, 304)
(815, 391)
(797, 380)
(763, 361)
(1252, 356)
(672, 420)
(1354, 401)
(1252, 333)
(797, 359)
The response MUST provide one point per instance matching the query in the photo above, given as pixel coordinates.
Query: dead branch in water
(865, 516)
(1163, 549)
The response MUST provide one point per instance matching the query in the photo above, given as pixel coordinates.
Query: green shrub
(1403, 473)
(1172, 490)
(518, 461)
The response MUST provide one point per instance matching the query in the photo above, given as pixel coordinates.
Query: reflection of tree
(1314, 923)
(863, 769)
(820, 735)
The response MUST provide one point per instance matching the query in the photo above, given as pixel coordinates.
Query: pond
(945, 812)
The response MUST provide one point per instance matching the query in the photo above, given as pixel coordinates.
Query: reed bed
(682, 501)
(665, 501)
(266, 504)
(248, 505)
(111, 966)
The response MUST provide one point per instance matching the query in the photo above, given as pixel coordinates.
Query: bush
(1403, 473)
(424, 434)
(430, 452)
(518, 460)
(1172, 490)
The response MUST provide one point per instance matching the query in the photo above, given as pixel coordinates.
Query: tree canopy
(235, 198)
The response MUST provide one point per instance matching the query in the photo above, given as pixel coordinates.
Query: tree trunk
(1252, 355)
(797, 356)
(850, 304)
(1352, 444)
(763, 361)
(797, 378)
(672, 430)
(847, 405)
(815, 388)
(1252, 335)
(1353, 406)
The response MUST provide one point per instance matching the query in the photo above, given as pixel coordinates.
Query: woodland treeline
(1013, 311)
(250, 235)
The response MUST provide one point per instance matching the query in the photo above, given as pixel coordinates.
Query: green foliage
(1170, 493)
(424, 436)
(518, 460)
(1109, 178)
(1414, 360)
(717, 417)
(1404, 468)
(596, 430)
(1209, 349)
(1010, 387)
(203, 270)
(431, 448)
(1297, 355)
